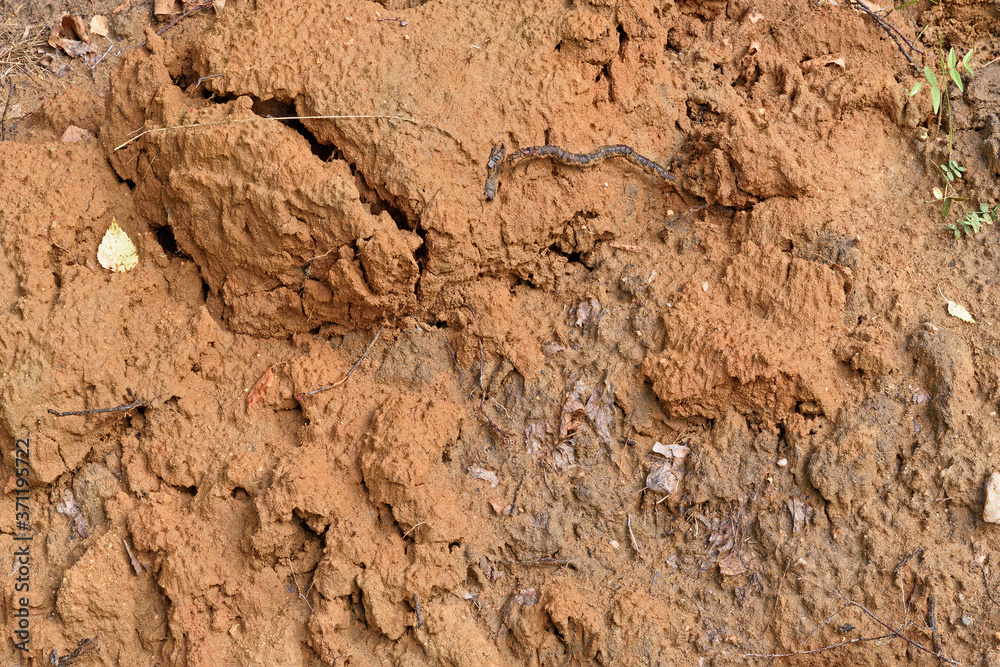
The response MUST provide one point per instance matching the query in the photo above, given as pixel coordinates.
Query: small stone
(991, 511)
(782, 463)
(966, 621)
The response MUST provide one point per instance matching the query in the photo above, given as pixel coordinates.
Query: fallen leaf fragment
(564, 457)
(259, 389)
(75, 49)
(485, 475)
(117, 252)
(219, 5)
(816, 63)
(801, 514)
(731, 565)
(75, 25)
(665, 474)
(163, 7)
(587, 311)
(957, 310)
(99, 25)
(74, 134)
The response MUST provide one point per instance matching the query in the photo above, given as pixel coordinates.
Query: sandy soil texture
(364, 415)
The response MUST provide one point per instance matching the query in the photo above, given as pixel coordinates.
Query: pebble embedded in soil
(991, 511)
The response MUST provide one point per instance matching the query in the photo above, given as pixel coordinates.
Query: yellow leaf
(117, 251)
(960, 312)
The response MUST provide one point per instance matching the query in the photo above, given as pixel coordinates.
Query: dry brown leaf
(801, 514)
(564, 457)
(124, 5)
(573, 408)
(55, 34)
(731, 565)
(74, 134)
(587, 311)
(662, 477)
(536, 440)
(259, 389)
(99, 25)
(487, 567)
(163, 7)
(219, 5)
(600, 410)
(666, 474)
(74, 25)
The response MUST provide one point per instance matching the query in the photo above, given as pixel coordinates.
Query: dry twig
(299, 397)
(255, 119)
(890, 30)
(119, 408)
(891, 634)
(632, 535)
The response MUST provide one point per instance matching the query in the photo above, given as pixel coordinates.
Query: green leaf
(946, 208)
(916, 88)
(957, 78)
(952, 58)
(929, 75)
(966, 59)
(936, 98)
(947, 172)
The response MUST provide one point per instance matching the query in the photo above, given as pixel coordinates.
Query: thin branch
(537, 561)
(6, 106)
(280, 118)
(120, 408)
(299, 397)
(181, 18)
(632, 535)
(827, 620)
(986, 583)
(816, 650)
(878, 620)
(890, 30)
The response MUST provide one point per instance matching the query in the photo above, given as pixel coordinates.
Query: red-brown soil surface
(477, 491)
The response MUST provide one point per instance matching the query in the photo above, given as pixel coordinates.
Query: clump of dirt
(600, 419)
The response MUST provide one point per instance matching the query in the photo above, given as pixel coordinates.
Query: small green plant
(949, 67)
(974, 220)
(952, 172)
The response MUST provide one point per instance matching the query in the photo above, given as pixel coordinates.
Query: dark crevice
(605, 73)
(165, 237)
(622, 41)
(570, 256)
(370, 194)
